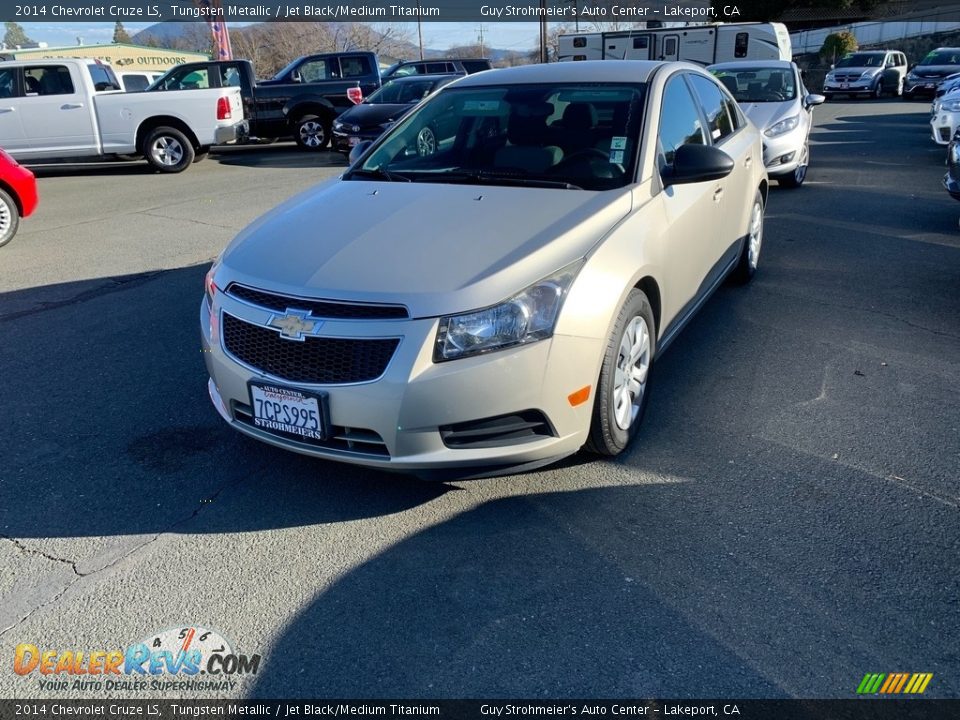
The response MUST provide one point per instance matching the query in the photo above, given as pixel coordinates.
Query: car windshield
(759, 84)
(861, 60)
(401, 93)
(942, 57)
(559, 135)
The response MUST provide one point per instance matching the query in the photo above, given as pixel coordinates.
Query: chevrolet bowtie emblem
(294, 324)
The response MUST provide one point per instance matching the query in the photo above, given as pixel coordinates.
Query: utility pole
(482, 53)
(420, 29)
(543, 31)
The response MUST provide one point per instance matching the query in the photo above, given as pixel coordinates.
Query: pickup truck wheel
(312, 132)
(9, 218)
(168, 150)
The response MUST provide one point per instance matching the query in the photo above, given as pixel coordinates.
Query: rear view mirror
(697, 163)
(357, 151)
(296, 76)
(813, 99)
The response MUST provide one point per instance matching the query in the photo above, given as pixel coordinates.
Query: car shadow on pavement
(93, 169)
(115, 433)
(281, 155)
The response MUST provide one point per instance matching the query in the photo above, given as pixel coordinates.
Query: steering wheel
(772, 95)
(588, 156)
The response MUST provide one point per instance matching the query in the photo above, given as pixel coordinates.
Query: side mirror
(296, 77)
(813, 99)
(912, 66)
(697, 163)
(357, 151)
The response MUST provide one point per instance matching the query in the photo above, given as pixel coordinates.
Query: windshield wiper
(495, 178)
(380, 173)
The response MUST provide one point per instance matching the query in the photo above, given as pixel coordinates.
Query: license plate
(353, 141)
(286, 411)
(930, 86)
(844, 85)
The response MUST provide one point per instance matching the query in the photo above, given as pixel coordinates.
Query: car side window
(8, 82)
(229, 76)
(358, 66)
(711, 98)
(48, 80)
(680, 122)
(315, 71)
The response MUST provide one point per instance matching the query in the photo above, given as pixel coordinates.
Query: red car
(18, 196)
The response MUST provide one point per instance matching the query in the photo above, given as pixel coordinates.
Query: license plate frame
(353, 141)
(844, 86)
(930, 86)
(288, 397)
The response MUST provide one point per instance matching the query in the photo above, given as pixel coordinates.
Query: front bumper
(396, 419)
(239, 132)
(782, 154)
(943, 125)
(860, 87)
(344, 142)
(921, 86)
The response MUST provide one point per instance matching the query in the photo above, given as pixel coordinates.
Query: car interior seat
(730, 83)
(526, 128)
(33, 85)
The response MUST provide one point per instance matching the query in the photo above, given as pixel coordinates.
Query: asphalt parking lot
(786, 522)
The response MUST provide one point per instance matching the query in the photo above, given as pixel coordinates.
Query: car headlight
(209, 286)
(951, 105)
(527, 317)
(869, 74)
(784, 126)
(911, 76)
(830, 77)
(337, 125)
(955, 153)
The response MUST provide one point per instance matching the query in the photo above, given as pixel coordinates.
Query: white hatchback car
(772, 94)
(492, 300)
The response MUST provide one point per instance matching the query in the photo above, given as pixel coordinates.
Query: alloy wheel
(755, 236)
(167, 150)
(312, 134)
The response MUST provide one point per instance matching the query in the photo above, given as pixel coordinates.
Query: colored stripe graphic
(894, 683)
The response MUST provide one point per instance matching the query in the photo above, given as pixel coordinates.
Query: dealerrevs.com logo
(185, 658)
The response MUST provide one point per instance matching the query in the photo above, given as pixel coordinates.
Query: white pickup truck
(71, 108)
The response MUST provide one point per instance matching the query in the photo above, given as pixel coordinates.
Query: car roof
(631, 71)
(734, 64)
(433, 77)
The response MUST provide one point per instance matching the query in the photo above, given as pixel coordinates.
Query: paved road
(787, 522)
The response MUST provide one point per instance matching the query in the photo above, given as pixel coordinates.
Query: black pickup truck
(300, 101)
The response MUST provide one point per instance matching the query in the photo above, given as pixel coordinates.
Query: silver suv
(869, 73)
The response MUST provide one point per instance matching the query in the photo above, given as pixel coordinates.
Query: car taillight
(355, 95)
(223, 109)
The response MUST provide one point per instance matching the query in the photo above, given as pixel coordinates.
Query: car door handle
(71, 106)
(748, 161)
(6, 110)
(717, 194)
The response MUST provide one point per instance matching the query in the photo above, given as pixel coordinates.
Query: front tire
(624, 384)
(750, 255)
(9, 218)
(312, 132)
(168, 150)
(877, 92)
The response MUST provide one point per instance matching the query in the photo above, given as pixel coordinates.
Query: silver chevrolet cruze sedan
(486, 289)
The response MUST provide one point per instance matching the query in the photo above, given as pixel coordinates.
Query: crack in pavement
(26, 550)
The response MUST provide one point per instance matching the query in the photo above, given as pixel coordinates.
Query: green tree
(120, 34)
(836, 45)
(15, 35)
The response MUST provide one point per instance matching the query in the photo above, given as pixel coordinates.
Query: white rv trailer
(703, 44)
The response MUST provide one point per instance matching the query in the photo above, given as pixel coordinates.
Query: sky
(519, 36)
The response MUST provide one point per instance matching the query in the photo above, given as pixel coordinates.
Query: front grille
(314, 360)
(497, 431)
(343, 439)
(847, 78)
(318, 308)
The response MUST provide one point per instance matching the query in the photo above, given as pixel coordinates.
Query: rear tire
(9, 218)
(750, 255)
(168, 150)
(624, 385)
(312, 132)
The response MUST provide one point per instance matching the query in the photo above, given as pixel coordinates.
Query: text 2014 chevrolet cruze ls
(487, 287)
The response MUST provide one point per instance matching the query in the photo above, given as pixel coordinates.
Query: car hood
(765, 114)
(374, 114)
(933, 71)
(436, 248)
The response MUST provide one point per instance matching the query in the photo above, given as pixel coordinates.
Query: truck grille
(318, 308)
(316, 360)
